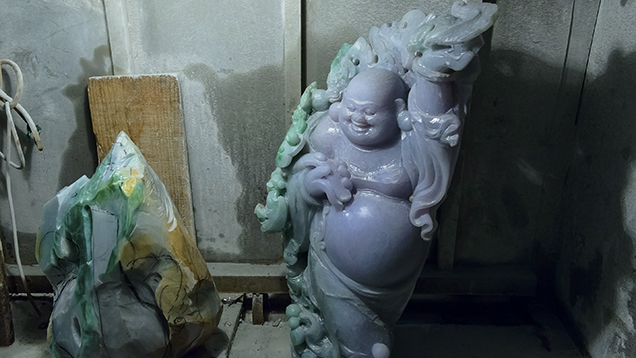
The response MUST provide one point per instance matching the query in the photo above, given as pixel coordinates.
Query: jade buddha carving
(362, 172)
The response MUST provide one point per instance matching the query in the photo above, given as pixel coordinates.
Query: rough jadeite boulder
(128, 278)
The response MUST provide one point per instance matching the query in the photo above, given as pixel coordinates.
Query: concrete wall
(229, 57)
(596, 271)
(58, 45)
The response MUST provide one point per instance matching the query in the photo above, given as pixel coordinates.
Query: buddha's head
(367, 115)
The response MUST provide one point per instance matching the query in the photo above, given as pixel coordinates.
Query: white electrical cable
(12, 136)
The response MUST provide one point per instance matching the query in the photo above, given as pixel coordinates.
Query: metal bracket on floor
(258, 314)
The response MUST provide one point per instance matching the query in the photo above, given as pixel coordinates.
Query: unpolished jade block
(128, 278)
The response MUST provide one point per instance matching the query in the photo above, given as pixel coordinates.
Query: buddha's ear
(403, 116)
(334, 111)
(400, 105)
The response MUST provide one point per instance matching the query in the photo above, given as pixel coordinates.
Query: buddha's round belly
(372, 240)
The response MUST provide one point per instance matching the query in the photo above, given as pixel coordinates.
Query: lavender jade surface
(361, 173)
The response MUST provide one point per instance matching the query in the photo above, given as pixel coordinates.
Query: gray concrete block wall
(229, 57)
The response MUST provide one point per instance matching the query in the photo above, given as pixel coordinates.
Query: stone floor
(457, 328)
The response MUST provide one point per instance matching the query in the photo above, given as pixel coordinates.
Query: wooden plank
(510, 280)
(7, 335)
(497, 280)
(238, 278)
(148, 109)
(221, 342)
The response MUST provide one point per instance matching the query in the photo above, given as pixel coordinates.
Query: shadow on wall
(80, 156)
(515, 154)
(597, 271)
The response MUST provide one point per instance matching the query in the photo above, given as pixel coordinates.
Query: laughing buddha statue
(361, 173)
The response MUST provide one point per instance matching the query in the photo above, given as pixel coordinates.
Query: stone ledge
(511, 280)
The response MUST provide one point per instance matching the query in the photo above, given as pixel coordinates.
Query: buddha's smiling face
(367, 115)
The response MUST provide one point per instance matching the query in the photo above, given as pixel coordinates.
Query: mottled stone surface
(229, 57)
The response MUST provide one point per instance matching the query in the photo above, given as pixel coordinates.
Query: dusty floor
(473, 328)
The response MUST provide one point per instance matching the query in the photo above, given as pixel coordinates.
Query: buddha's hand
(440, 62)
(328, 177)
(443, 127)
(448, 44)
